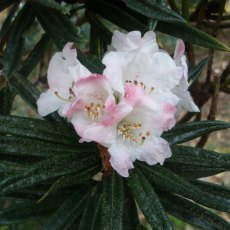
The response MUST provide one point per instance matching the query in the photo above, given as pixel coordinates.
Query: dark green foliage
(46, 174)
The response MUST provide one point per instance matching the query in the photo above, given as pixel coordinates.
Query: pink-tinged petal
(70, 108)
(136, 96)
(104, 135)
(120, 158)
(179, 50)
(48, 102)
(115, 113)
(95, 87)
(154, 151)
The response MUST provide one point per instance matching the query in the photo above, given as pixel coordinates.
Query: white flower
(181, 90)
(63, 72)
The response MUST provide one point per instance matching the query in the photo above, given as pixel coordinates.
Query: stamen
(143, 140)
(148, 133)
(61, 98)
(151, 90)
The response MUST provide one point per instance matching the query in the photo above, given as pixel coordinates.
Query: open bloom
(130, 129)
(138, 60)
(181, 90)
(63, 72)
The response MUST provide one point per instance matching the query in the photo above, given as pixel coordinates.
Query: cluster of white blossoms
(129, 106)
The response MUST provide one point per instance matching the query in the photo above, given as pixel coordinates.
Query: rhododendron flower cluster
(129, 106)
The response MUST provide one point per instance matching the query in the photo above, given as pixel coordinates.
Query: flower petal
(179, 50)
(64, 68)
(48, 102)
(120, 158)
(153, 151)
(104, 135)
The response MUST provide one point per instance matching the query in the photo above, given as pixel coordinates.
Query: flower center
(94, 110)
(141, 85)
(132, 132)
(72, 95)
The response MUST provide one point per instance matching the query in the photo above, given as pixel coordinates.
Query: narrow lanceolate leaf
(148, 200)
(29, 210)
(78, 178)
(58, 26)
(68, 211)
(13, 146)
(111, 11)
(49, 169)
(15, 43)
(35, 55)
(90, 219)
(192, 213)
(154, 10)
(25, 89)
(52, 4)
(215, 189)
(197, 70)
(191, 130)
(6, 26)
(185, 155)
(112, 205)
(190, 34)
(131, 220)
(62, 30)
(166, 180)
(194, 171)
(6, 98)
(105, 33)
(38, 129)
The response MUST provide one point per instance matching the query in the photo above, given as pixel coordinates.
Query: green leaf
(131, 220)
(49, 169)
(90, 219)
(35, 55)
(29, 210)
(6, 100)
(191, 130)
(52, 4)
(38, 129)
(6, 3)
(191, 171)
(190, 34)
(154, 10)
(96, 24)
(111, 11)
(58, 26)
(192, 213)
(13, 51)
(62, 30)
(6, 26)
(185, 155)
(68, 211)
(148, 200)
(74, 179)
(112, 204)
(219, 191)
(25, 89)
(166, 180)
(197, 70)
